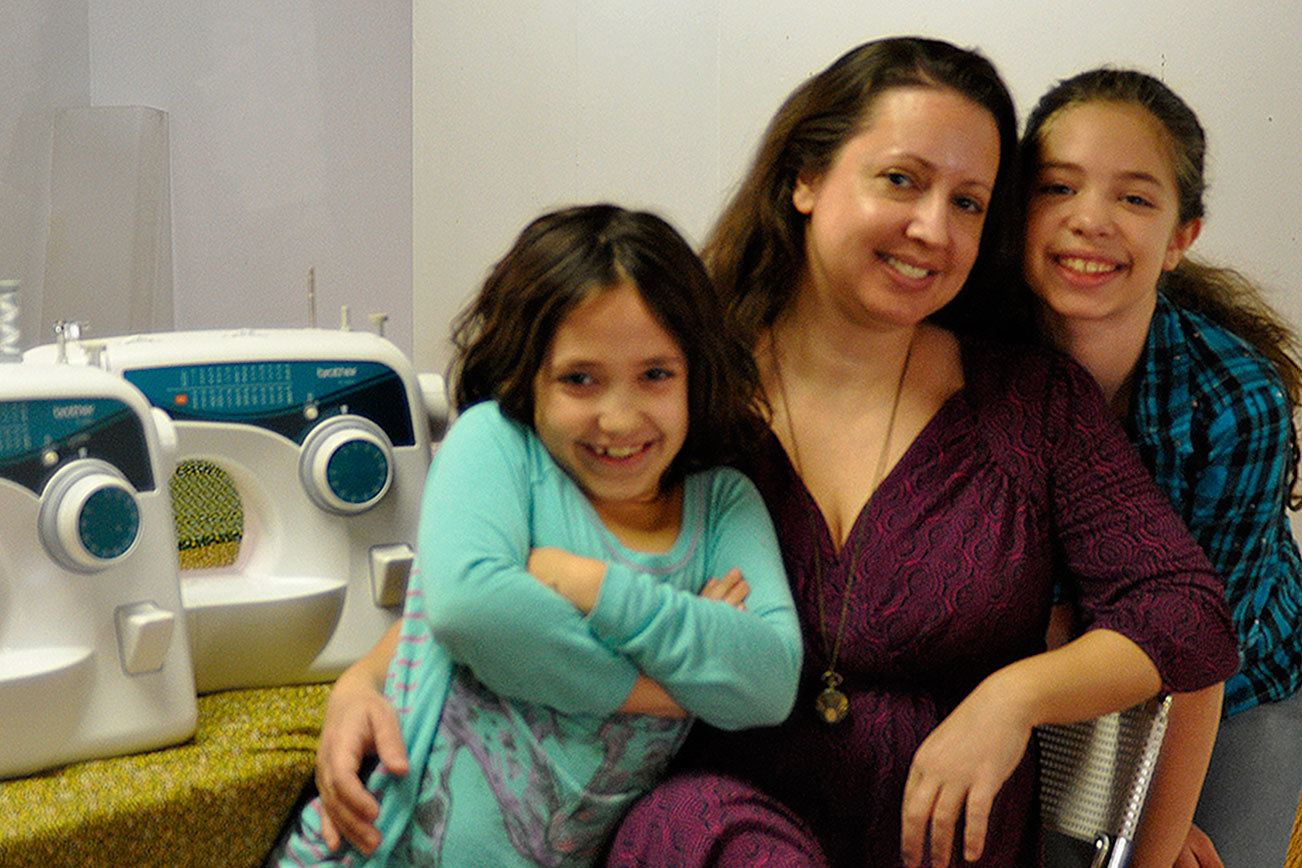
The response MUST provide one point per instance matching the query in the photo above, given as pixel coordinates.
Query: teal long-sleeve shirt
(487, 651)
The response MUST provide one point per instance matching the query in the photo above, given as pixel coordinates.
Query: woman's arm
(1198, 851)
(960, 767)
(1134, 567)
(1167, 831)
(359, 721)
(1153, 611)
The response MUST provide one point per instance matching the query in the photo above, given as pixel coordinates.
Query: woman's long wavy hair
(756, 251)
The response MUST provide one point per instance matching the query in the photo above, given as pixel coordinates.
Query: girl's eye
(575, 378)
(1053, 188)
(658, 374)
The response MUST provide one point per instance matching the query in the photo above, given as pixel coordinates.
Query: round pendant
(832, 706)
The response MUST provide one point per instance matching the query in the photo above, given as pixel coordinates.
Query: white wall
(42, 68)
(290, 127)
(520, 106)
(293, 142)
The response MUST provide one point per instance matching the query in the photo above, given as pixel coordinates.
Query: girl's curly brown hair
(567, 256)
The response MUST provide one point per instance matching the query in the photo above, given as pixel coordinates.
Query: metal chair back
(1094, 777)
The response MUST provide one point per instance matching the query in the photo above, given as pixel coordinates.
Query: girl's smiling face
(610, 401)
(1103, 214)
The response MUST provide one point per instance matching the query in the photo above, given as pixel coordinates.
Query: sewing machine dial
(346, 465)
(89, 517)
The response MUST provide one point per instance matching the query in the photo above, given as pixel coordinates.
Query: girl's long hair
(565, 257)
(1223, 295)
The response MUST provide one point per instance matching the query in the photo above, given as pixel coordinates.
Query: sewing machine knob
(346, 465)
(89, 517)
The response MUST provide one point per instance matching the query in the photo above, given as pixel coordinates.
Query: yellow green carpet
(218, 799)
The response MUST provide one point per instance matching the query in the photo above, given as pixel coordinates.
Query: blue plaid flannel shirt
(1212, 421)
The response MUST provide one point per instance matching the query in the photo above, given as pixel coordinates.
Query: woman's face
(895, 222)
(1103, 216)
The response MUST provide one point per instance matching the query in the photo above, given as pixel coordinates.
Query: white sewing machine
(302, 456)
(93, 654)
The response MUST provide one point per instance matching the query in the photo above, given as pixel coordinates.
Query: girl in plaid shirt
(1205, 376)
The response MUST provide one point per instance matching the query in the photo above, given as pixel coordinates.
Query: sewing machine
(302, 454)
(93, 654)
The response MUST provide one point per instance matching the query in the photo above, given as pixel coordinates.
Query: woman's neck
(1108, 348)
(838, 357)
(848, 398)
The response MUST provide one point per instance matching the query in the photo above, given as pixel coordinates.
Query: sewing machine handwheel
(346, 465)
(89, 517)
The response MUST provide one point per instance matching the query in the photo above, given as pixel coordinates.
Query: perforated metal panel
(1094, 775)
(209, 515)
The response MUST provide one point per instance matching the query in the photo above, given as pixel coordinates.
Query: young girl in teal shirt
(589, 578)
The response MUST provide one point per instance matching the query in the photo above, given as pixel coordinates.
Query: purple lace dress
(1021, 473)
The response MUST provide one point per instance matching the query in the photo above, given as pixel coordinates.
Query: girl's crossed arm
(734, 668)
(523, 640)
(520, 638)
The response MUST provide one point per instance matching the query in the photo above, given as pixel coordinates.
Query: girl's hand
(1198, 851)
(958, 770)
(731, 589)
(359, 721)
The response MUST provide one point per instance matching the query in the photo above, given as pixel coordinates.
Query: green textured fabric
(218, 799)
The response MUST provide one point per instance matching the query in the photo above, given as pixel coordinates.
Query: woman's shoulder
(995, 371)
(1025, 400)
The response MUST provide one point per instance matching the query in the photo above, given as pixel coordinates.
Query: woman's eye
(575, 378)
(898, 179)
(970, 205)
(1053, 188)
(1135, 199)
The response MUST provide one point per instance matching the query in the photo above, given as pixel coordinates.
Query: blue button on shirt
(1213, 423)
